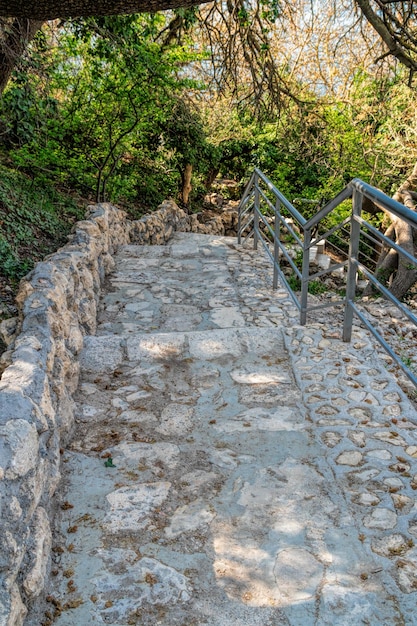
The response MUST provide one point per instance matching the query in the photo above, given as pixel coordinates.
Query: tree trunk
(393, 269)
(186, 183)
(15, 37)
(211, 177)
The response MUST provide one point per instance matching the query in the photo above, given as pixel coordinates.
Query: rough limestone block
(12, 609)
(19, 446)
(8, 329)
(40, 550)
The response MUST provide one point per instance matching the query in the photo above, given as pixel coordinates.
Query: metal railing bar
(369, 237)
(287, 286)
(248, 207)
(242, 225)
(246, 224)
(381, 199)
(242, 213)
(267, 224)
(247, 191)
(385, 345)
(367, 258)
(289, 259)
(267, 250)
(292, 232)
(387, 293)
(343, 195)
(263, 236)
(392, 243)
(300, 219)
(267, 200)
(343, 235)
(265, 245)
(245, 200)
(371, 232)
(337, 249)
(329, 270)
(329, 232)
(295, 269)
(283, 221)
(271, 230)
(247, 236)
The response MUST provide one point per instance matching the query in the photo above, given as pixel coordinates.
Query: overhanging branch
(52, 9)
(401, 52)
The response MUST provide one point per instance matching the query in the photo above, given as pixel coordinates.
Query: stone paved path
(230, 467)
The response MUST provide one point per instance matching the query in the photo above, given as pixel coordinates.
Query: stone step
(191, 288)
(199, 493)
(228, 466)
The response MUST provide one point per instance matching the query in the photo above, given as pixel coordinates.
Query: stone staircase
(229, 467)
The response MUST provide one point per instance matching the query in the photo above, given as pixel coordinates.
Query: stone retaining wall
(58, 304)
(158, 227)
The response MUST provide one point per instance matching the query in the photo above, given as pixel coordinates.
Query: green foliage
(34, 220)
(315, 287)
(114, 103)
(104, 107)
(11, 265)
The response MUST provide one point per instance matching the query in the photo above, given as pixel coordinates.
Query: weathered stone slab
(130, 507)
(19, 448)
(101, 354)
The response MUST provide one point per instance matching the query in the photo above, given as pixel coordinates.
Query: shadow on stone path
(228, 466)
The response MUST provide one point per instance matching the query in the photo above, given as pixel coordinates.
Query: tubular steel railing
(270, 218)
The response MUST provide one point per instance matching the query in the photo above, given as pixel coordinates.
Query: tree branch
(14, 37)
(52, 9)
(383, 31)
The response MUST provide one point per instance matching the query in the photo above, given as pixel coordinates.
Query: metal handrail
(266, 198)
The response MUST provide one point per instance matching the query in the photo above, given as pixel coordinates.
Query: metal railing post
(277, 233)
(256, 212)
(305, 272)
(355, 230)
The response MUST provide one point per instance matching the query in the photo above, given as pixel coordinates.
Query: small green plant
(316, 286)
(298, 260)
(408, 362)
(294, 283)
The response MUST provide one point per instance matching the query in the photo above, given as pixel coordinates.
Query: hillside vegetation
(134, 109)
(34, 221)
